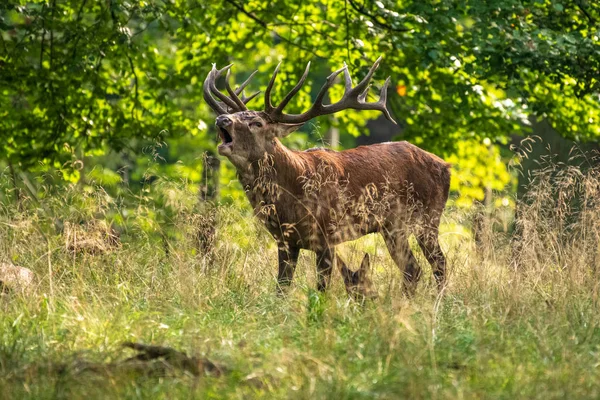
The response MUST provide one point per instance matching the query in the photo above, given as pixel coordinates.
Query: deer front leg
(288, 258)
(324, 267)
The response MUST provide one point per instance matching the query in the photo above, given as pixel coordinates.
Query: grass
(497, 331)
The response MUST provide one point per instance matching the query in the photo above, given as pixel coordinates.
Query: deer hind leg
(325, 259)
(428, 241)
(288, 258)
(399, 248)
(434, 255)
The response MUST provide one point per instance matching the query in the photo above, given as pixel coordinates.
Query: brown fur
(358, 283)
(318, 199)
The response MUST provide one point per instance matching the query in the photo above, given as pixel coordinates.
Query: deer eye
(256, 123)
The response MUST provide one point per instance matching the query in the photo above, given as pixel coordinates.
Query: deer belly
(313, 225)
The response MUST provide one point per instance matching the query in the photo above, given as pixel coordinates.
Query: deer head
(358, 284)
(246, 135)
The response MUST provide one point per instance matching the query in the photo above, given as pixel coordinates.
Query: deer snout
(223, 121)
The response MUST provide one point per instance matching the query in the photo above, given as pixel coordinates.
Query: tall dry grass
(518, 318)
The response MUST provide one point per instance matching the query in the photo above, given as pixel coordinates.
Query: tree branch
(135, 82)
(249, 14)
(584, 11)
(262, 23)
(43, 35)
(77, 34)
(52, 33)
(374, 19)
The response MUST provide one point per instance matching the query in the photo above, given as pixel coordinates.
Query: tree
(80, 77)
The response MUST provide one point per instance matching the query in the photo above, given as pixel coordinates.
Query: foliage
(91, 74)
(477, 167)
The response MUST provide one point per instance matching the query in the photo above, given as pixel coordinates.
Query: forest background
(102, 119)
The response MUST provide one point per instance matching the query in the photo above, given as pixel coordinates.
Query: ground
(496, 331)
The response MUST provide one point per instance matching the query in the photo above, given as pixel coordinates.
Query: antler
(230, 104)
(354, 97)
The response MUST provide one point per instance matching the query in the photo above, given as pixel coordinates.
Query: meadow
(507, 325)
(152, 278)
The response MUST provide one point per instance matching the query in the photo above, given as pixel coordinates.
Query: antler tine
(347, 79)
(247, 99)
(361, 97)
(231, 103)
(268, 106)
(379, 105)
(241, 106)
(241, 88)
(354, 97)
(318, 104)
(383, 99)
(213, 88)
(293, 92)
(362, 85)
(210, 100)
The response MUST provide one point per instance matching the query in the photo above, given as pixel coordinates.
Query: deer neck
(267, 178)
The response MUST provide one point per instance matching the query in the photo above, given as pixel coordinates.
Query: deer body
(317, 199)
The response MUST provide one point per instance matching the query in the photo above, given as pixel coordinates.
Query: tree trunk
(482, 227)
(208, 193)
(333, 137)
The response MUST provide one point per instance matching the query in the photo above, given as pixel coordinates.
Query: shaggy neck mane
(278, 170)
(289, 164)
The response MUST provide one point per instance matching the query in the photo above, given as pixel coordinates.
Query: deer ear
(282, 130)
(346, 273)
(365, 264)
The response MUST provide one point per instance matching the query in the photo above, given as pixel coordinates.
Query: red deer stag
(319, 198)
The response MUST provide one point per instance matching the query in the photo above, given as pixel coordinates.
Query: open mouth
(226, 139)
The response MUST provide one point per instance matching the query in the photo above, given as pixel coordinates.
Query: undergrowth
(518, 318)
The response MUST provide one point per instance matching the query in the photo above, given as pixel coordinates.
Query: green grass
(496, 332)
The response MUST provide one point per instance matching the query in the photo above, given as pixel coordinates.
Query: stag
(319, 198)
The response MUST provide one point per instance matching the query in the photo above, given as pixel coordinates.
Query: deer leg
(324, 267)
(399, 248)
(288, 258)
(428, 242)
